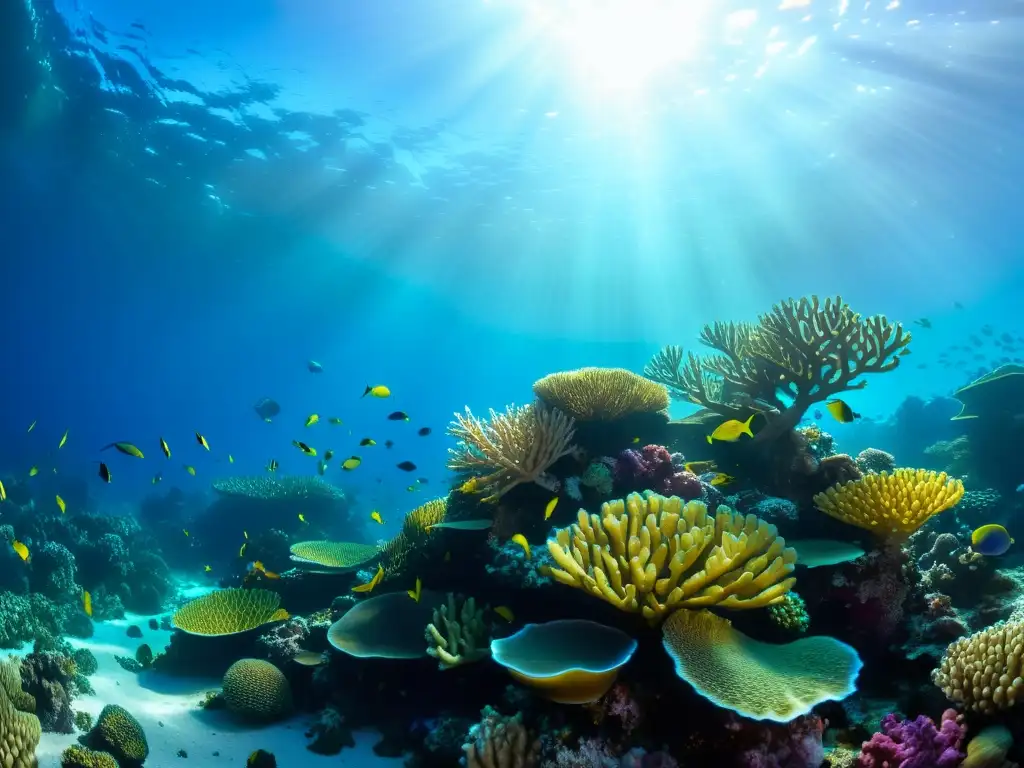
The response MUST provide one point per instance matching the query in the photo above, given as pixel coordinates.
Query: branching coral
(601, 394)
(517, 446)
(458, 634)
(802, 352)
(891, 505)
(983, 671)
(656, 554)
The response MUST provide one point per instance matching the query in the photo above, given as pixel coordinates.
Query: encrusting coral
(983, 671)
(19, 728)
(601, 394)
(229, 611)
(657, 554)
(891, 505)
(517, 446)
(803, 352)
(458, 634)
(500, 742)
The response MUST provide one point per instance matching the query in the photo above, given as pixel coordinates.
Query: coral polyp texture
(255, 689)
(119, 733)
(229, 611)
(762, 681)
(332, 556)
(457, 633)
(891, 505)
(803, 352)
(655, 554)
(983, 671)
(601, 394)
(19, 728)
(517, 446)
(287, 488)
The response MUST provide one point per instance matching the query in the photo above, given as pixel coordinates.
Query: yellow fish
(722, 479)
(730, 431)
(31, 426)
(21, 549)
(302, 518)
(375, 516)
(351, 463)
(241, 549)
(246, 534)
(367, 441)
(700, 467)
(63, 440)
(61, 504)
(312, 419)
(368, 586)
(522, 542)
(126, 448)
(415, 593)
(207, 569)
(378, 391)
(231, 459)
(335, 421)
(191, 470)
(550, 508)
(304, 448)
(202, 441)
(636, 440)
(840, 411)
(87, 602)
(165, 448)
(3, 492)
(185, 531)
(505, 613)
(33, 472)
(469, 486)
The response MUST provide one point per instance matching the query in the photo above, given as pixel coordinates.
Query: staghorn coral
(891, 505)
(500, 742)
(229, 611)
(257, 690)
(802, 352)
(874, 460)
(915, 743)
(601, 394)
(120, 734)
(656, 554)
(19, 728)
(982, 672)
(517, 446)
(457, 635)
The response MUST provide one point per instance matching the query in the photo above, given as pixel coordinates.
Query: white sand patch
(167, 708)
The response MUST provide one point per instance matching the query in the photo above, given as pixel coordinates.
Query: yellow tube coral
(655, 554)
(891, 505)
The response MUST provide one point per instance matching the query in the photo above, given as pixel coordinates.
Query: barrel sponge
(762, 681)
(605, 394)
(891, 505)
(983, 671)
(19, 730)
(120, 734)
(257, 690)
(653, 554)
(229, 611)
(82, 757)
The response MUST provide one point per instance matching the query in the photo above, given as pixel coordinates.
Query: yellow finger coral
(601, 394)
(19, 730)
(257, 690)
(457, 635)
(332, 556)
(891, 505)
(656, 554)
(983, 671)
(229, 611)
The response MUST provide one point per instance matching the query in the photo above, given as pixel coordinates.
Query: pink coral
(619, 704)
(916, 743)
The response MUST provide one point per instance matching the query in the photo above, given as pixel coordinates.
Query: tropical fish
(304, 448)
(522, 542)
(87, 602)
(258, 567)
(3, 492)
(423, 431)
(367, 441)
(190, 469)
(992, 540)
(246, 535)
(378, 391)
(272, 465)
(335, 421)
(817, 414)
(231, 459)
(60, 503)
(312, 419)
(389, 443)
(506, 613)
(202, 441)
(104, 472)
(406, 466)
(157, 478)
(33, 471)
(722, 479)
(302, 518)
(126, 448)
(241, 549)
(398, 416)
(165, 448)
(375, 516)
(20, 549)
(351, 463)
(207, 569)
(417, 592)
(328, 454)
(840, 411)
(636, 440)
(550, 508)
(185, 531)
(308, 658)
(63, 439)
(368, 586)
(700, 467)
(470, 486)
(314, 367)
(31, 427)
(266, 408)
(481, 524)
(412, 488)
(924, 322)
(730, 431)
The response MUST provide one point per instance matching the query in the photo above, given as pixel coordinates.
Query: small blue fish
(1020, 488)
(314, 367)
(991, 540)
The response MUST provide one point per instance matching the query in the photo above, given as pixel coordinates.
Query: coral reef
(652, 468)
(874, 460)
(915, 743)
(457, 634)
(120, 734)
(19, 728)
(602, 394)
(229, 611)
(48, 676)
(982, 672)
(500, 742)
(257, 690)
(791, 613)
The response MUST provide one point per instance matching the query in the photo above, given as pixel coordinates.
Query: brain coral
(257, 690)
(229, 611)
(983, 671)
(601, 393)
(120, 734)
(19, 730)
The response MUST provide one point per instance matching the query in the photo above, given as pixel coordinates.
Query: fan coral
(601, 394)
(891, 505)
(514, 447)
(257, 690)
(457, 635)
(500, 741)
(915, 743)
(874, 460)
(651, 468)
(657, 554)
(229, 611)
(120, 734)
(983, 671)
(19, 728)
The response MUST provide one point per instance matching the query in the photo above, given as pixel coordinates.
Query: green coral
(457, 635)
(19, 728)
(81, 757)
(86, 662)
(257, 690)
(599, 477)
(120, 734)
(83, 720)
(791, 613)
(229, 611)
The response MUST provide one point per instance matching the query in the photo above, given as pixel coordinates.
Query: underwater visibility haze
(569, 383)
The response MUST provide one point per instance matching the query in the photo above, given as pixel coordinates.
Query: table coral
(916, 743)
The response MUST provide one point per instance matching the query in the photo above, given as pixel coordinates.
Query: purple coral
(651, 468)
(916, 743)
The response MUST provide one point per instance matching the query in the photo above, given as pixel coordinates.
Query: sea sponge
(517, 446)
(120, 734)
(229, 612)
(601, 394)
(285, 488)
(758, 680)
(81, 757)
(19, 728)
(983, 671)
(656, 554)
(387, 626)
(891, 505)
(257, 690)
(332, 556)
(457, 635)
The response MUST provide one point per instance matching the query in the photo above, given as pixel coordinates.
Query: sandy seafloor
(167, 709)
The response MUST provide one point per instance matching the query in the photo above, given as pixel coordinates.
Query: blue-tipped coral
(570, 661)
(388, 626)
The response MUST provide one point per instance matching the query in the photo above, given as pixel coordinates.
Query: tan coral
(517, 446)
(656, 554)
(601, 394)
(501, 742)
(983, 671)
(891, 505)
(457, 635)
(19, 731)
